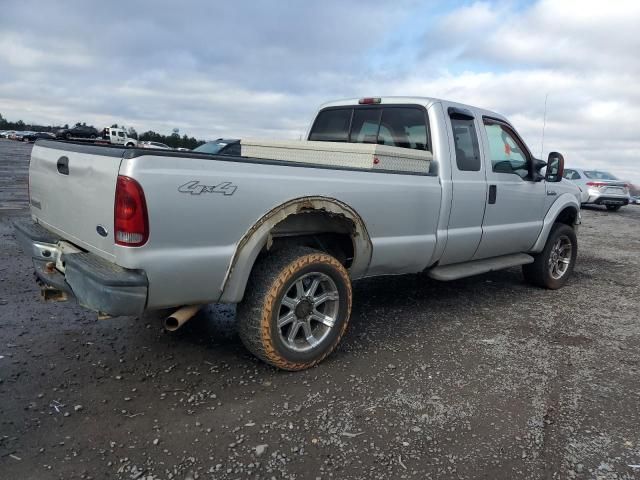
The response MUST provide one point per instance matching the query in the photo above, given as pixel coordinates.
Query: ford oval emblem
(102, 231)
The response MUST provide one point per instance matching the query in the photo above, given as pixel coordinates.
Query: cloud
(261, 68)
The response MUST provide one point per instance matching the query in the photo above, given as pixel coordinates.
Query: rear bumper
(96, 283)
(607, 199)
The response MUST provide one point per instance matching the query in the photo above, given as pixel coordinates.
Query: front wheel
(296, 308)
(553, 266)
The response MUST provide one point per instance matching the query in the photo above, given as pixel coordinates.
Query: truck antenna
(544, 124)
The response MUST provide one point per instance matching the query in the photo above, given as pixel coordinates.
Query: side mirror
(555, 167)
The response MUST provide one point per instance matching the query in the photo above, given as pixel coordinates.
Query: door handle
(551, 192)
(493, 191)
(63, 165)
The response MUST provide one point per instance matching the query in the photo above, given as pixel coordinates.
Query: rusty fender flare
(258, 235)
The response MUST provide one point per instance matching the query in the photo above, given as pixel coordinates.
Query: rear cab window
(599, 175)
(393, 125)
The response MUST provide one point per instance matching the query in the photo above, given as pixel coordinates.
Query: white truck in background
(118, 136)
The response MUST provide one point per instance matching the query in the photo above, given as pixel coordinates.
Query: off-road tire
(537, 273)
(270, 279)
(613, 208)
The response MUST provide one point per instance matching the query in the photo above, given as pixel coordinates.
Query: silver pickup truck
(402, 185)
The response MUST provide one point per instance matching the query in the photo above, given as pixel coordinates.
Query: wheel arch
(565, 209)
(296, 218)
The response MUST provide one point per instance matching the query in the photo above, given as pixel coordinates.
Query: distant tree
(174, 140)
(131, 133)
(115, 125)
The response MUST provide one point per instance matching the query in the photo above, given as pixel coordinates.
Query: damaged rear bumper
(63, 270)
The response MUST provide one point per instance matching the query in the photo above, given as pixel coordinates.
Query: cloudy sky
(260, 68)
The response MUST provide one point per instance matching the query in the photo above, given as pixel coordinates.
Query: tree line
(174, 140)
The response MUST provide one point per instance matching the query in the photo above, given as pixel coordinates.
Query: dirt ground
(485, 377)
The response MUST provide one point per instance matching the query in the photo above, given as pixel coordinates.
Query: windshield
(598, 175)
(211, 147)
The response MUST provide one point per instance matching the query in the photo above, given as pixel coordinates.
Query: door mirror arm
(538, 165)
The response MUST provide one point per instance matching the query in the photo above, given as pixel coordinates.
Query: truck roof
(424, 101)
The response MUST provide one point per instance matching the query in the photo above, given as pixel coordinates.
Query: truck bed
(201, 206)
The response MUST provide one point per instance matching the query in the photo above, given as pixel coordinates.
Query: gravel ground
(485, 377)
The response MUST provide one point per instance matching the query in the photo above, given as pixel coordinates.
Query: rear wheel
(613, 208)
(296, 308)
(67, 136)
(92, 136)
(553, 266)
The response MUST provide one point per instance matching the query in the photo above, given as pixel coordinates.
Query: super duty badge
(194, 187)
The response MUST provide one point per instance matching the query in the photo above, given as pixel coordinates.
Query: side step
(475, 267)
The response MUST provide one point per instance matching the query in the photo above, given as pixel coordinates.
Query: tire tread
(254, 313)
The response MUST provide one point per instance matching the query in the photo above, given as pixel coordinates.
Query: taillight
(131, 223)
(596, 184)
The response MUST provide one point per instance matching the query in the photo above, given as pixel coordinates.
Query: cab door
(515, 202)
(469, 187)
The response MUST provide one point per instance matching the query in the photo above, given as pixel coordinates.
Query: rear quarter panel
(193, 236)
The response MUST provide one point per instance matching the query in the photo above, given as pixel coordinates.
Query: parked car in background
(221, 146)
(79, 131)
(33, 136)
(635, 199)
(598, 187)
(7, 133)
(20, 136)
(156, 145)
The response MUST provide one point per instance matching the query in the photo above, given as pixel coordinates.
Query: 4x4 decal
(194, 187)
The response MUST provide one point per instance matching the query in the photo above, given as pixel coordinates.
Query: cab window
(507, 153)
(466, 143)
(332, 125)
(365, 124)
(396, 126)
(406, 127)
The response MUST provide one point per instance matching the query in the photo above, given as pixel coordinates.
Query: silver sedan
(599, 188)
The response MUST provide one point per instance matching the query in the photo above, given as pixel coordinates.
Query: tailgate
(72, 190)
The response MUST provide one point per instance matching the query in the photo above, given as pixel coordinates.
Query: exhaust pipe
(178, 318)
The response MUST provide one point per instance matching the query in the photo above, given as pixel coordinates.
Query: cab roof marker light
(369, 100)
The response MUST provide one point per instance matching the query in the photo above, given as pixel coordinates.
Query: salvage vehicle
(33, 136)
(381, 186)
(156, 145)
(599, 188)
(79, 131)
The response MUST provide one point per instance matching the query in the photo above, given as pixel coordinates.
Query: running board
(467, 269)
